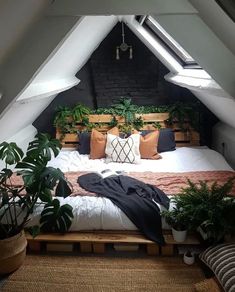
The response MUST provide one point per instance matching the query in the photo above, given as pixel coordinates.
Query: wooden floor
(96, 242)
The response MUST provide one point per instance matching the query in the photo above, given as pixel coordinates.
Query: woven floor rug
(93, 273)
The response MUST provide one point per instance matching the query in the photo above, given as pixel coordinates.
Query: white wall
(21, 115)
(121, 7)
(84, 38)
(203, 45)
(16, 18)
(224, 142)
(221, 24)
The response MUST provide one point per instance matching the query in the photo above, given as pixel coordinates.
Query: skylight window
(158, 31)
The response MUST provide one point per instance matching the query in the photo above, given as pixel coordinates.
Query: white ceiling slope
(48, 52)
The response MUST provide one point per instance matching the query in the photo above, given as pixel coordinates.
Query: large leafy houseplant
(37, 182)
(210, 209)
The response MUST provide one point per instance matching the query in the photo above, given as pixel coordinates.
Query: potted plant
(210, 209)
(189, 258)
(21, 191)
(178, 220)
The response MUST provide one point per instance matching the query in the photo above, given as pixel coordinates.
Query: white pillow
(123, 150)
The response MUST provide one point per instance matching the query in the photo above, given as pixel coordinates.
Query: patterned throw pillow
(123, 150)
(221, 260)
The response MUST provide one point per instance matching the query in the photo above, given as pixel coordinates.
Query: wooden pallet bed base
(95, 241)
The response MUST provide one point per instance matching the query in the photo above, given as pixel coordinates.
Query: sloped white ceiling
(47, 56)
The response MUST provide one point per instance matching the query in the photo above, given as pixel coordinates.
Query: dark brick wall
(141, 78)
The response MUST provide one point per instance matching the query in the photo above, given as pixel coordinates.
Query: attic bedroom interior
(117, 136)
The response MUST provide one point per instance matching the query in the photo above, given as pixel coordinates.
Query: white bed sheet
(95, 213)
(183, 159)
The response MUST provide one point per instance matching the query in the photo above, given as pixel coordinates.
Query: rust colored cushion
(148, 145)
(98, 142)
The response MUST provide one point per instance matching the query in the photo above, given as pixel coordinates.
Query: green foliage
(66, 118)
(79, 112)
(56, 218)
(138, 123)
(17, 203)
(181, 112)
(125, 109)
(210, 208)
(157, 125)
(113, 122)
(177, 218)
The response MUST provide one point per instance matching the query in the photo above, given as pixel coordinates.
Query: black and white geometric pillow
(123, 150)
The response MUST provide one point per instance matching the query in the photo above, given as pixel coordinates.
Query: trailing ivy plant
(63, 120)
(182, 112)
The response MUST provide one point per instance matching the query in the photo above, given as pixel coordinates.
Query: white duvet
(181, 160)
(96, 213)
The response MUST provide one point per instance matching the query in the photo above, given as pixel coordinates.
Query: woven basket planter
(13, 251)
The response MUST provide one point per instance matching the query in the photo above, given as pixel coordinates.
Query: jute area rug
(104, 273)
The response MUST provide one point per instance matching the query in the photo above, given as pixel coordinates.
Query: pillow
(98, 143)
(84, 139)
(221, 260)
(166, 141)
(123, 150)
(148, 145)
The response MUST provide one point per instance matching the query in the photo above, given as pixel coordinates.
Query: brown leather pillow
(98, 142)
(148, 145)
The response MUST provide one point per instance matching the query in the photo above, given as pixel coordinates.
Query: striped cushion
(221, 260)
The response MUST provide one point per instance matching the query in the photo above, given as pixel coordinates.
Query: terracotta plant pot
(13, 251)
(179, 236)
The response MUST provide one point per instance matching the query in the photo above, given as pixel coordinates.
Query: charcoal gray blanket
(135, 198)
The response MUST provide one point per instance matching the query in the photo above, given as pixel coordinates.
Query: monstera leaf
(10, 152)
(56, 218)
(43, 145)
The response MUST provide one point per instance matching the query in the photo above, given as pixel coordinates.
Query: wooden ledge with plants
(17, 202)
(182, 118)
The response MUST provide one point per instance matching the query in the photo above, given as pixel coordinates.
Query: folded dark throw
(135, 198)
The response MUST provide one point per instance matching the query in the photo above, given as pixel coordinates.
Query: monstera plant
(30, 184)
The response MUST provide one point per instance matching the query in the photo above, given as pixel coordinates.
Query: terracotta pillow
(98, 142)
(148, 145)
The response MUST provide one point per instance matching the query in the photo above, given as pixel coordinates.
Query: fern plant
(209, 208)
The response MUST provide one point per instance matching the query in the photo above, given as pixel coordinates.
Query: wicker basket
(12, 253)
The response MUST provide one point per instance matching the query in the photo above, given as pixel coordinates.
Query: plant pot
(189, 260)
(13, 251)
(179, 236)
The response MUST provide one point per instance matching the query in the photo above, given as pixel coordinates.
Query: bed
(169, 174)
